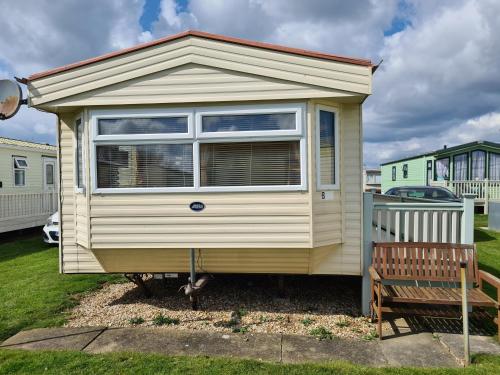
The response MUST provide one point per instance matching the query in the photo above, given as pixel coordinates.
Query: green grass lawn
(21, 362)
(33, 294)
(488, 245)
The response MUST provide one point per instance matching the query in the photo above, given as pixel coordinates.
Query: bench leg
(379, 311)
(372, 301)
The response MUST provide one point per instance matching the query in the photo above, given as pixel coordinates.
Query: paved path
(420, 349)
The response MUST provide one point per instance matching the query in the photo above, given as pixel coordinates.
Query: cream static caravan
(248, 152)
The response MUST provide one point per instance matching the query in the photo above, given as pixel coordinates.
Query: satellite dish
(11, 98)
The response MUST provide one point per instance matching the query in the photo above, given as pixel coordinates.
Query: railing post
(486, 196)
(367, 251)
(467, 229)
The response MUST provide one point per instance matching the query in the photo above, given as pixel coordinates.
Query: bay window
(442, 169)
(460, 167)
(494, 167)
(245, 148)
(478, 164)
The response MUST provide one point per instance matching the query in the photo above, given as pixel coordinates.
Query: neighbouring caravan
(248, 152)
(28, 184)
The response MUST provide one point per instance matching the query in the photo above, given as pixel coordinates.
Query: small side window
(79, 170)
(405, 170)
(20, 164)
(327, 151)
(394, 173)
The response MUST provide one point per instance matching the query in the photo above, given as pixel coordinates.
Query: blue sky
(438, 83)
(150, 14)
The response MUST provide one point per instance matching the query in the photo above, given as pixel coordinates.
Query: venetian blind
(148, 165)
(250, 163)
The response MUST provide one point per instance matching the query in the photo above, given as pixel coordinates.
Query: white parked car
(51, 229)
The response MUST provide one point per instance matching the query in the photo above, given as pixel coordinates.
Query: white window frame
(79, 189)
(16, 163)
(336, 185)
(296, 109)
(140, 113)
(195, 137)
(52, 161)
(15, 167)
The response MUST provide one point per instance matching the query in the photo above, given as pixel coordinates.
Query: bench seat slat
(434, 295)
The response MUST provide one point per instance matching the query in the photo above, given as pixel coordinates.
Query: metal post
(465, 312)
(192, 279)
(192, 264)
(467, 230)
(366, 251)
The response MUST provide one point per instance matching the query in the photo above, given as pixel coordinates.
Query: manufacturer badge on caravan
(197, 206)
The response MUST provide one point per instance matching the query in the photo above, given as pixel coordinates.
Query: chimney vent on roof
(445, 147)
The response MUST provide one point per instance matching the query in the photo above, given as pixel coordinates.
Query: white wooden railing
(415, 220)
(20, 205)
(484, 190)
(395, 219)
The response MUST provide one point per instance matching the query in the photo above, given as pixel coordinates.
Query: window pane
(327, 147)
(250, 163)
(19, 177)
(49, 174)
(79, 154)
(478, 165)
(156, 125)
(494, 172)
(21, 163)
(243, 123)
(150, 165)
(442, 169)
(460, 167)
(393, 173)
(405, 170)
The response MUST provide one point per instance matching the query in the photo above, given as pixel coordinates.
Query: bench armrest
(374, 274)
(489, 278)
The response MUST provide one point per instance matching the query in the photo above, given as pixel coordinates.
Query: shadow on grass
(20, 247)
(481, 235)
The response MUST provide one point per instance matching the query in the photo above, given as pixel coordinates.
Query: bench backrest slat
(427, 261)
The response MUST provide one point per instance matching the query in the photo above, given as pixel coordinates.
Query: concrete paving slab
(296, 349)
(478, 345)
(263, 347)
(416, 350)
(53, 338)
(403, 348)
(180, 342)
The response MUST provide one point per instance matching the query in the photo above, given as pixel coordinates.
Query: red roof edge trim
(201, 34)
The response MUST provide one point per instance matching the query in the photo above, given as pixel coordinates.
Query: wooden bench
(407, 275)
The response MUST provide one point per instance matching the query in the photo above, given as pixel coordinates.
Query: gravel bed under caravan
(243, 304)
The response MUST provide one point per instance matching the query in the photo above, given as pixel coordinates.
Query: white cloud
(438, 83)
(437, 73)
(42, 34)
(481, 128)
